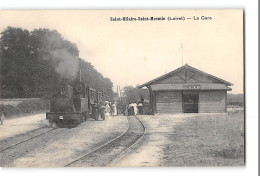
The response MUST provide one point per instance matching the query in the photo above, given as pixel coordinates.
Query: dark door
(190, 103)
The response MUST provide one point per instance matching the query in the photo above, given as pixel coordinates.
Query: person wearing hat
(107, 111)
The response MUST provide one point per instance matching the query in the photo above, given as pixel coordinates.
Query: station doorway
(190, 102)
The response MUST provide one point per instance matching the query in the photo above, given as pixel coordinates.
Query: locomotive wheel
(58, 124)
(84, 117)
(96, 117)
(53, 124)
(77, 121)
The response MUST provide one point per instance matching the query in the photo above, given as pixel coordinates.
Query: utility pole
(181, 54)
(119, 92)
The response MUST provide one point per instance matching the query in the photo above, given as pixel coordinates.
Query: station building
(187, 90)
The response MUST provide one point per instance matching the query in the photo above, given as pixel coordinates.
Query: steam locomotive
(74, 105)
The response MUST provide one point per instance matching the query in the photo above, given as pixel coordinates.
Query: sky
(135, 52)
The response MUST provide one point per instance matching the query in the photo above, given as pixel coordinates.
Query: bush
(25, 107)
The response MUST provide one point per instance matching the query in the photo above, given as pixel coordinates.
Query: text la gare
(202, 18)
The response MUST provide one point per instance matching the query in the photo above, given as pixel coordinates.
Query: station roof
(221, 84)
(200, 86)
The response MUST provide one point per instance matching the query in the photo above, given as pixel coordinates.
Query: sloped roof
(202, 86)
(186, 66)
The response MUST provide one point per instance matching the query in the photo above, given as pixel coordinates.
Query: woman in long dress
(107, 112)
(135, 108)
(114, 109)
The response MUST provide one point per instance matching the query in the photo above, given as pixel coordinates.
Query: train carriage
(100, 97)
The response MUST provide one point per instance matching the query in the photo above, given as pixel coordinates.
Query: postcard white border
(251, 43)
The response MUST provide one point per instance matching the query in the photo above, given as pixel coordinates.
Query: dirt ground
(62, 146)
(20, 125)
(169, 140)
(188, 140)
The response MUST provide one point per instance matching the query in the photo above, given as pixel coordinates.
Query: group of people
(107, 109)
(134, 108)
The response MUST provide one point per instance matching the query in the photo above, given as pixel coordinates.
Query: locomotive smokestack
(80, 75)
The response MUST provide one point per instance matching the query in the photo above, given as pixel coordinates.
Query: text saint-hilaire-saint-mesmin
(137, 18)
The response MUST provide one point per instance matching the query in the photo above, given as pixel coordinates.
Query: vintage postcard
(122, 88)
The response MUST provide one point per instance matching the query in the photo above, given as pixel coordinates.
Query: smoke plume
(60, 53)
(67, 65)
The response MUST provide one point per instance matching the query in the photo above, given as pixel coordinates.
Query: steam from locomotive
(67, 65)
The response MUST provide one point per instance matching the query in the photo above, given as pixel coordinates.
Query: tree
(134, 94)
(36, 63)
(15, 49)
(95, 79)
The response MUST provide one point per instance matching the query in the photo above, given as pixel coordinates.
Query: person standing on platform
(130, 109)
(132, 112)
(135, 108)
(2, 118)
(111, 109)
(102, 110)
(114, 109)
(107, 111)
(95, 110)
(119, 107)
(142, 100)
(140, 108)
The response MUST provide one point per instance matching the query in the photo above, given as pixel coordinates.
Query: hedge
(25, 107)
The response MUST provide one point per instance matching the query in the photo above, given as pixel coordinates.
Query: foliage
(25, 107)
(235, 99)
(132, 94)
(35, 63)
(95, 79)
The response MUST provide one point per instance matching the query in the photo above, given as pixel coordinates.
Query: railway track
(20, 145)
(8, 144)
(5, 143)
(107, 153)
